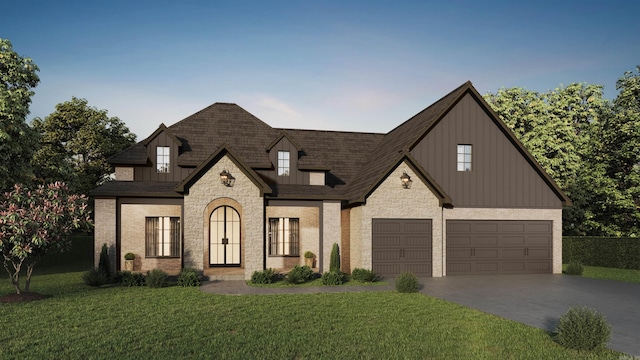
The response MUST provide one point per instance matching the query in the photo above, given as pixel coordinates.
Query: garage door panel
(513, 240)
(400, 245)
(386, 241)
(457, 254)
(521, 246)
(417, 254)
(539, 241)
(486, 253)
(513, 253)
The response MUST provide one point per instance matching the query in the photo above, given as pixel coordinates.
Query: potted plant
(309, 258)
(128, 261)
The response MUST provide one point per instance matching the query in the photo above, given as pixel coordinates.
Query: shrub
(157, 278)
(266, 276)
(104, 265)
(334, 261)
(299, 274)
(127, 278)
(333, 278)
(407, 282)
(575, 268)
(189, 277)
(309, 255)
(621, 253)
(583, 328)
(94, 277)
(129, 256)
(364, 275)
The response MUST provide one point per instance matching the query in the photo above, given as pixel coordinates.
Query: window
(162, 156)
(162, 236)
(464, 157)
(283, 163)
(284, 236)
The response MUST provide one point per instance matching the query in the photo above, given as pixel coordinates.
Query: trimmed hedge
(621, 253)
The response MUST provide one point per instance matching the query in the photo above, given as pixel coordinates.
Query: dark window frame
(464, 158)
(278, 247)
(163, 159)
(284, 163)
(155, 234)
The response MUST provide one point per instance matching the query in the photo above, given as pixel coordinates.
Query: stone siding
(133, 236)
(309, 234)
(124, 173)
(331, 233)
(208, 193)
(391, 200)
(105, 230)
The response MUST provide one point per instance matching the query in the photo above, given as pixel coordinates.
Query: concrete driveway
(540, 300)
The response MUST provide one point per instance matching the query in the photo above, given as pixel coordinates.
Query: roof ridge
(332, 131)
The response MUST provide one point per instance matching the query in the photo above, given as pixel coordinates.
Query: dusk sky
(331, 65)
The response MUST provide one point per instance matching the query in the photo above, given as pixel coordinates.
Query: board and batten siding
(501, 176)
(149, 172)
(296, 177)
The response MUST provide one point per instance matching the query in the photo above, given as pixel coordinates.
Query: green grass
(169, 323)
(596, 272)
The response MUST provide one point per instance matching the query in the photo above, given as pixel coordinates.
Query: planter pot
(309, 262)
(128, 265)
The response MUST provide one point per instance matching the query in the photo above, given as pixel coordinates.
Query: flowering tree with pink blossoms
(37, 222)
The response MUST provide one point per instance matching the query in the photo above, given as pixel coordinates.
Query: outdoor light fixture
(406, 181)
(226, 178)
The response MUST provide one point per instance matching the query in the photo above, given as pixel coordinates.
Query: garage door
(401, 245)
(498, 247)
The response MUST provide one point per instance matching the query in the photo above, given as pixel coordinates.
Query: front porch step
(225, 277)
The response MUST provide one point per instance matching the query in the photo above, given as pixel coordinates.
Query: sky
(329, 65)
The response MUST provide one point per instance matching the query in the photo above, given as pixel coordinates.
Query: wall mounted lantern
(226, 178)
(406, 181)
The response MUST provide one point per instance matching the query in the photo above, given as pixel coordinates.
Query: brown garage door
(401, 245)
(498, 247)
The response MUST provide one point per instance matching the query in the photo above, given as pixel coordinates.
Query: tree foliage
(17, 140)
(75, 142)
(590, 146)
(34, 223)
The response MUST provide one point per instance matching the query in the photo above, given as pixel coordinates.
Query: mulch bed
(24, 297)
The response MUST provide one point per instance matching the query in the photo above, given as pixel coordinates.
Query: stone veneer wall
(124, 173)
(316, 177)
(331, 233)
(208, 189)
(132, 236)
(309, 234)
(391, 200)
(105, 230)
(554, 215)
(345, 247)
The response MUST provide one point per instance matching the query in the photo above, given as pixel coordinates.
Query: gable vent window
(162, 159)
(283, 163)
(464, 157)
(284, 236)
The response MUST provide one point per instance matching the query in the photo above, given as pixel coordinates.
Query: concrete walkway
(535, 300)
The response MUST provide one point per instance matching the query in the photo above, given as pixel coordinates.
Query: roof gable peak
(162, 128)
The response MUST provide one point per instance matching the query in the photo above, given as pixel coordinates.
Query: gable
(502, 175)
(295, 177)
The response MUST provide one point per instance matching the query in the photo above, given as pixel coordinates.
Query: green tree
(34, 223)
(556, 127)
(17, 140)
(614, 164)
(75, 142)
(334, 260)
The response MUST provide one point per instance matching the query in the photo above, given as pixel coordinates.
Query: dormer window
(464, 157)
(283, 163)
(162, 159)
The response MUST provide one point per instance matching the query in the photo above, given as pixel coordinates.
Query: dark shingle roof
(137, 189)
(389, 150)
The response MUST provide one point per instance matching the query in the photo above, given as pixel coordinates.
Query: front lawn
(596, 272)
(140, 322)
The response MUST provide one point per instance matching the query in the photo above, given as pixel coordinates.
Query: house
(449, 191)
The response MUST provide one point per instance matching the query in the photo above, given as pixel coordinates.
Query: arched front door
(224, 237)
